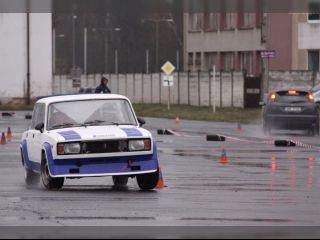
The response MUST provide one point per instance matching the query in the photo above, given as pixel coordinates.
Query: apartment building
(306, 42)
(230, 41)
(234, 41)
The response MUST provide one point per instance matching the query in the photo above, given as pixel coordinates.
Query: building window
(248, 20)
(314, 60)
(227, 61)
(246, 62)
(198, 59)
(190, 59)
(314, 17)
(211, 22)
(195, 22)
(210, 59)
(230, 21)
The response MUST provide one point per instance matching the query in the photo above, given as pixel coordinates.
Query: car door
(31, 134)
(38, 136)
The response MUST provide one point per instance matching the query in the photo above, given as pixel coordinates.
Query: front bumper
(297, 122)
(98, 167)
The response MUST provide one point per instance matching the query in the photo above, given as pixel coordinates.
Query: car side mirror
(40, 127)
(141, 121)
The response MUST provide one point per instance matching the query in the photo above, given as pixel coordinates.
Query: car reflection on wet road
(262, 185)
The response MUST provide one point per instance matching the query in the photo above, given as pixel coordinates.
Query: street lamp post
(157, 25)
(104, 31)
(74, 18)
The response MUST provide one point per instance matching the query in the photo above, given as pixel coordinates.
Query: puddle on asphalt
(103, 218)
(237, 220)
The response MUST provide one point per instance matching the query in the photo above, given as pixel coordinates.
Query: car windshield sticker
(132, 132)
(70, 135)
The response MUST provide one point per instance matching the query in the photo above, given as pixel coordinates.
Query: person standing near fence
(103, 87)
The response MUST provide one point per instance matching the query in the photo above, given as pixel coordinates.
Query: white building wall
(13, 54)
(309, 35)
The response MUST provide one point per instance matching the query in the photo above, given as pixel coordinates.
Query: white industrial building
(13, 55)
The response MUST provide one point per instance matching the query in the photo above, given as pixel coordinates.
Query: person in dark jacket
(103, 88)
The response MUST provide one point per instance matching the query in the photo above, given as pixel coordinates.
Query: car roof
(80, 97)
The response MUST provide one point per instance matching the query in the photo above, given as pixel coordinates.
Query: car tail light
(293, 92)
(310, 97)
(273, 97)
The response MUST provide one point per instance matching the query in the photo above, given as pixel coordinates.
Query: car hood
(92, 133)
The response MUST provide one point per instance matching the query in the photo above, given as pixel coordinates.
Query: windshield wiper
(65, 125)
(99, 122)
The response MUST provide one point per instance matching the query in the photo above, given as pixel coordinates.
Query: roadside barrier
(222, 138)
(28, 116)
(215, 138)
(167, 132)
(7, 114)
(284, 143)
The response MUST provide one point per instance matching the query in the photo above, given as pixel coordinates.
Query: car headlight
(69, 148)
(140, 145)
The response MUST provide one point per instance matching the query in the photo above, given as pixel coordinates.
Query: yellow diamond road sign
(168, 68)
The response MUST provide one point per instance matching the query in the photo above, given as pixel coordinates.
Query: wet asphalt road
(261, 186)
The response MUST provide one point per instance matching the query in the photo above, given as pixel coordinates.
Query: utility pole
(28, 101)
(157, 46)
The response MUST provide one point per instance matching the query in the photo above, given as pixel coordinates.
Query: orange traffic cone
(9, 134)
(160, 184)
(3, 139)
(178, 121)
(224, 158)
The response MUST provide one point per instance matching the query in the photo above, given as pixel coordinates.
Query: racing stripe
(70, 135)
(132, 132)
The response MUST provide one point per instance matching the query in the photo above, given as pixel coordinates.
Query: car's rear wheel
(49, 182)
(148, 181)
(120, 181)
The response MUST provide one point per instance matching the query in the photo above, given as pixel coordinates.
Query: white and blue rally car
(93, 135)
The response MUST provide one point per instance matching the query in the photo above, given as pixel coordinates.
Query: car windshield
(299, 97)
(90, 113)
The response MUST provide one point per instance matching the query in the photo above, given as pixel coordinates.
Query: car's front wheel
(148, 181)
(49, 182)
(31, 178)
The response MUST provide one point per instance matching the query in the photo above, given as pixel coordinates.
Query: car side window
(41, 115)
(38, 115)
(35, 116)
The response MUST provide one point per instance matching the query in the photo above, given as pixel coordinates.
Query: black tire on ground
(31, 178)
(120, 181)
(148, 181)
(48, 182)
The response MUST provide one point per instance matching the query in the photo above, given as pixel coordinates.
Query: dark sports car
(291, 110)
